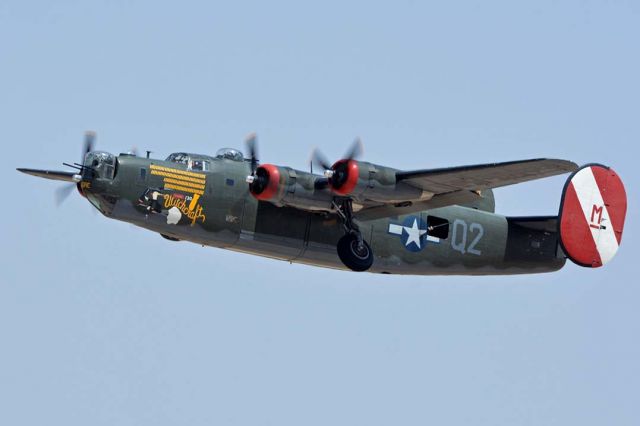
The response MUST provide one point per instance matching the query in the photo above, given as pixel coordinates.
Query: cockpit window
(198, 164)
(230, 154)
(178, 157)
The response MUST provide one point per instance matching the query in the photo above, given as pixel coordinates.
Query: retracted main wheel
(355, 255)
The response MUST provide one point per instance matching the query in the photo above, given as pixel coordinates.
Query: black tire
(354, 259)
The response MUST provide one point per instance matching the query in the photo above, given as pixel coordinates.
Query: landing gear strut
(353, 250)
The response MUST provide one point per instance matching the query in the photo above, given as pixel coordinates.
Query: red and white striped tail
(592, 211)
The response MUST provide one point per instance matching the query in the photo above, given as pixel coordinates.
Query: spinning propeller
(339, 172)
(258, 179)
(73, 178)
(252, 148)
(63, 193)
(342, 175)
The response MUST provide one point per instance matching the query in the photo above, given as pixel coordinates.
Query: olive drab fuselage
(215, 208)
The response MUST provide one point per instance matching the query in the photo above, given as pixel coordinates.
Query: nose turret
(99, 165)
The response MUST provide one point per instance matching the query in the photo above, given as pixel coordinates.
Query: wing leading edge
(484, 176)
(52, 174)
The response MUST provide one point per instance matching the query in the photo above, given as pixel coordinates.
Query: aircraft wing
(484, 176)
(52, 174)
(374, 191)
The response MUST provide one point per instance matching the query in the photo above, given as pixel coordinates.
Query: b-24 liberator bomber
(357, 215)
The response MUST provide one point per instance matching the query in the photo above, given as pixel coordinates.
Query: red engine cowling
(284, 186)
(367, 181)
(345, 176)
(266, 183)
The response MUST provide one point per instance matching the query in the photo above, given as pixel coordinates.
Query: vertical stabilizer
(592, 213)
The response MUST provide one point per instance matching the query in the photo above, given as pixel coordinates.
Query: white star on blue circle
(412, 232)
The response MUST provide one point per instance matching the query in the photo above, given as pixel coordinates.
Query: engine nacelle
(284, 186)
(367, 181)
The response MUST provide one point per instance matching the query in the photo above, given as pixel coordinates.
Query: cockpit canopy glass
(102, 163)
(192, 161)
(178, 157)
(230, 154)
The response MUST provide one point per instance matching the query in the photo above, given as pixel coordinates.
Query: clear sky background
(105, 324)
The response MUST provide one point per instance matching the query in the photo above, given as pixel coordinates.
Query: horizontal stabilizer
(52, 174)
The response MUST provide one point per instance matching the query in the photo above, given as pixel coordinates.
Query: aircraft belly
(126, 211)
(271, 231)
(476, 243)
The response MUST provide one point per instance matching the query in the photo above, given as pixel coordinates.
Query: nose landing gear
(353, 250)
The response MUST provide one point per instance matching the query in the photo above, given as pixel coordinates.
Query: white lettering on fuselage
(459, 238)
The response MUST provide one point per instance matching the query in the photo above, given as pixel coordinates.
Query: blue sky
(104, 324)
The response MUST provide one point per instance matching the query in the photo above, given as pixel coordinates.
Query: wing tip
(50, 174)
(26, 170)
(566, 165)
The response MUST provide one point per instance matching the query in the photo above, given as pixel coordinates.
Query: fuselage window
(199, 165)
(143, 174)
(437, 227)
